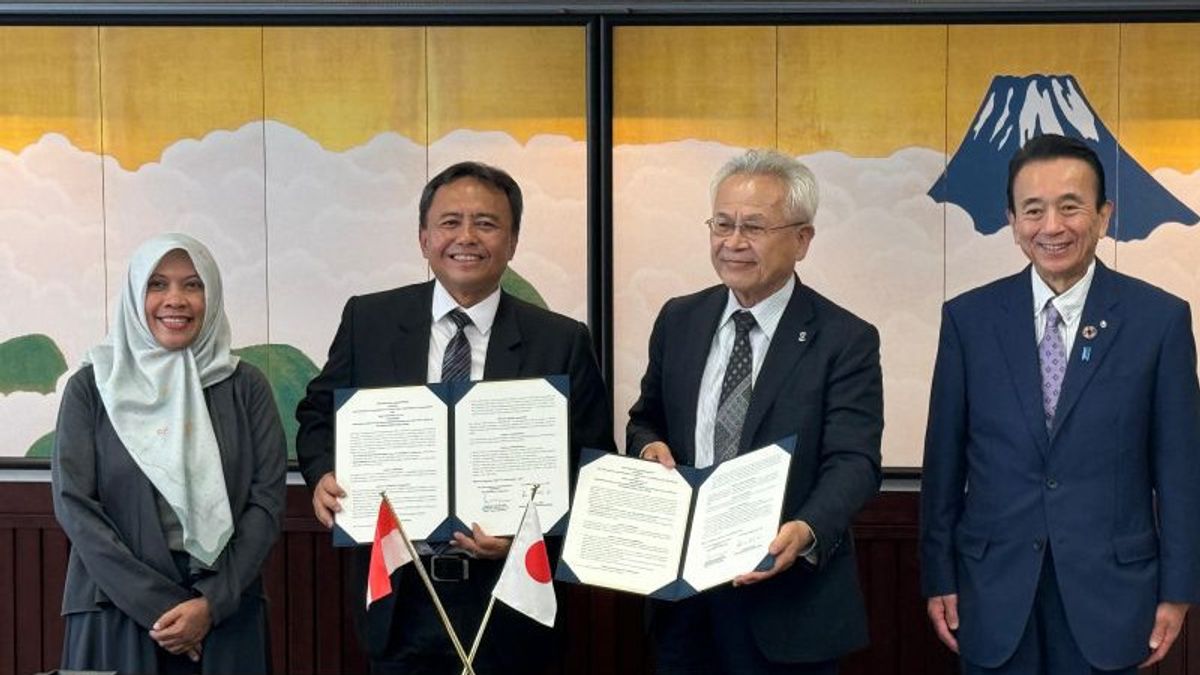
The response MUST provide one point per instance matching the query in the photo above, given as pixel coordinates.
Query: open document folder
(450, 454)
(636, 526)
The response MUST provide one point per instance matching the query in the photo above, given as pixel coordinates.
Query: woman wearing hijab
(168, 474)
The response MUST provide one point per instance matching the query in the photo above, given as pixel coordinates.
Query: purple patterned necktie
(1052, 355)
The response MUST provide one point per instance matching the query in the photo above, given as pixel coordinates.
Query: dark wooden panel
(858, 663)
(575, 608)
(300, 605)
(8, 602)
(917, 649)
(602, 619)
(353, 658)
(28, 576)
(55, 550)
(634, 648)
(275, 586)
(883, 570)
(327, 607)
(607, 633)
(877, 575)
(311, 631)
(26, 499)
(909, 620)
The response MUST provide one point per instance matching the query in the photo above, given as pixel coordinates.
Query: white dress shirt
(442, 329)
(767, 314)
(1069, 305)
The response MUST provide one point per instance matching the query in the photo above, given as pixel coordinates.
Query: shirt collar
(1070, 302)
(482, 313)
(767, 312)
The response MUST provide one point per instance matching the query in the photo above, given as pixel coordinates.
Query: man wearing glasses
(743, 364)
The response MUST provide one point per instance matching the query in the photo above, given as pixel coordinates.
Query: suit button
(1051, 483)
(1038, 544)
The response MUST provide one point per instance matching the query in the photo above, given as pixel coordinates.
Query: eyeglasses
(750, 230)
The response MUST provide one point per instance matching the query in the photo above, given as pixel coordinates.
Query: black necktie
(456, 362)
(735, 391)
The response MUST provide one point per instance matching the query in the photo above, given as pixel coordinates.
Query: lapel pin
(1103, 323)
(803, 337)
(1089, 332)
(1087, 353)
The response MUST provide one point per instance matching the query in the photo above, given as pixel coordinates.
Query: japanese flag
(388, 554)
(524, 582)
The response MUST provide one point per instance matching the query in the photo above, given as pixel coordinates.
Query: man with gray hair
(734, 367)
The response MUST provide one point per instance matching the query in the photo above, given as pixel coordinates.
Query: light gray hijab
(155, 397)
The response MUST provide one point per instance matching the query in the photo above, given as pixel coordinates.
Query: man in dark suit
(739, 366)
(1061, 488)
(460, 325)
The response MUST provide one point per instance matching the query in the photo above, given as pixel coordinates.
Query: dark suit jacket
(997, 487)
(826, 389)
(108, 508)
(383, 340)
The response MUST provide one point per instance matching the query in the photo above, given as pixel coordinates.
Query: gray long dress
(122, 575)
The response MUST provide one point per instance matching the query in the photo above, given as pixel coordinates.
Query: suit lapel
(410, 351)
(1098, 309)
(503, 361)
(783, 354)
(1018, 342)
(699, 332)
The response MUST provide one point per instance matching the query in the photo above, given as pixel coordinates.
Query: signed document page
(392, 440)
(737, 515)
(508, 436)
(628, 524)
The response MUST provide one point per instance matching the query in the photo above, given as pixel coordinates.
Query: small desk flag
(388, 554)
(525, 582)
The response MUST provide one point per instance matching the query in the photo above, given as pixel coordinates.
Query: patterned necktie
(456, 362)
(1052, 355)
(456, 367)
(735, 391)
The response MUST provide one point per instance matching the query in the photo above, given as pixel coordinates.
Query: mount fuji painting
(1016, 109)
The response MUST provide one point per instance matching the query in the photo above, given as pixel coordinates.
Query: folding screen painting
(908, 130)
(52, 273)
(296, 154)
(1159, 100)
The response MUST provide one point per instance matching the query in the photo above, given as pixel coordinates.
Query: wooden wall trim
(311, 631)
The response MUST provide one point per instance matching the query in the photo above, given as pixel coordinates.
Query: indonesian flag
(388, 554)
(524, 582)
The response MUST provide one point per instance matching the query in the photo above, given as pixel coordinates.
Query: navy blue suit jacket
(1113, 488)
(827, 390)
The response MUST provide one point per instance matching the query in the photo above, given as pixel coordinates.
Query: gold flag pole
(487, 614)
(479, 635)
(437, 603)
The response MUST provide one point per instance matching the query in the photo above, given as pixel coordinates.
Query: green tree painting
(30, 363)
